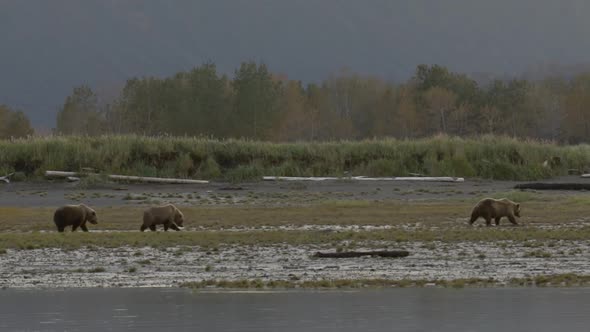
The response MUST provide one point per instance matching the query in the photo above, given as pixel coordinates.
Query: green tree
(385, 120)
(409, 119)
(137, 109)
(577, 109)
(510, 101)
(256, 101)
(295, 121)
(440, 103)
(466, 89)
(14, 124)
(548, 98)
(79, 114)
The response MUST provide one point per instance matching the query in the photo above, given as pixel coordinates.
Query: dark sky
(50, 46)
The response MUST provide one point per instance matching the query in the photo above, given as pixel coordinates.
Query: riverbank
(264, 235)
(489, 157)
(432, 263)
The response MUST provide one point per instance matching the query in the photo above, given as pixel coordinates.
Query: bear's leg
(143, 228)
(74, 227)
(60, 229)
(488, 221)
(153, 228)
(497, 220)
(84, 228)
(166, 226)
(512, 220)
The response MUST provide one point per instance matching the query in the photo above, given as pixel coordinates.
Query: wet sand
(50, 194)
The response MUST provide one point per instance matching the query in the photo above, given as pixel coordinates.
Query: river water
(414, 309)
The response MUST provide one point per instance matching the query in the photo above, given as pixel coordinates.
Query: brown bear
(75, 216)
(489, 208)
(168, 215)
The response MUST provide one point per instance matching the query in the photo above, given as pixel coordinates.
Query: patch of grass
(92, 180)
(134, 197)
(563, 280)
(532, 244)
(97, 270)
(213, 239)
(347, 204)
(538, 254)
(132, 269)
(557, 280)
(429, 246)
(579, 200)
(521, 196)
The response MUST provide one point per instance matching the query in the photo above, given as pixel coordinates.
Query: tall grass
(486, 157)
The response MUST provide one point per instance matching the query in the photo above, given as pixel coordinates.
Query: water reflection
(374, 310)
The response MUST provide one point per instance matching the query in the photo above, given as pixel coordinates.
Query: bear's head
(90, 214)
(517, 210)
(178, 218)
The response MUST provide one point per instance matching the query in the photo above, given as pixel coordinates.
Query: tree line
(258, 104)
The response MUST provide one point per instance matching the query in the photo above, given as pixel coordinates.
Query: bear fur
(167, 215)
(75, 216)
(490, 208)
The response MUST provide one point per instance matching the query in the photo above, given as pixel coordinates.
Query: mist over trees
(258, 104)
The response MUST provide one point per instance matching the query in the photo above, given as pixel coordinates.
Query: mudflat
(264, 234)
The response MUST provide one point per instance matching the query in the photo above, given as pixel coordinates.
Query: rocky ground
(151, 267)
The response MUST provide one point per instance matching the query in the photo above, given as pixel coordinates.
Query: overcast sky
(50, 46)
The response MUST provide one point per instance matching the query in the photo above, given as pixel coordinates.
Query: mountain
(48, 47)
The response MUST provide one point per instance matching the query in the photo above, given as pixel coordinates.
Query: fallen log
(156, 180)
(553, 186)
(298, 178)
(6, 178)
(365, 178)
(350, 254)
(430, 179)
(62, 174)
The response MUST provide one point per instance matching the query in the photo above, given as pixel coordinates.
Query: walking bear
(490, 208)
(75, 216)
(167, 215)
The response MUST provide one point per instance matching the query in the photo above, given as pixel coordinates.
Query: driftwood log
(553, 186)
(6, 178)
(61, 174)
(365, 178)
(350, 254)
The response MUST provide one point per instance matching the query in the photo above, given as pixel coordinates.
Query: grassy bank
(451, 213)
(235, 160)
(214, 239)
